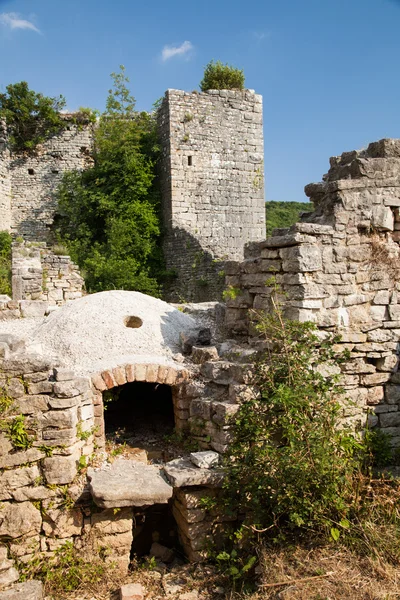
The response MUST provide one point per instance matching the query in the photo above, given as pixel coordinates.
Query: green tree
(284, 214)
(109, 213)
(218, 76)
(31, 117)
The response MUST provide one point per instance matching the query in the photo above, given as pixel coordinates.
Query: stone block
(13, 479)
(99, 383)
(203, 354)
(60, 469)
(182, 473)
(74, 387)
(205, 460)
(63, 523)
(128, 483)
(119, 374)
(382, 218)
(301, 259)
(132, 591)
(60, 419)
(19, 519)
(392, 393)
(61, 374)
(33, 308)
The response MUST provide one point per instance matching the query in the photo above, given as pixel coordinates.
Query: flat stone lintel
(128, 483)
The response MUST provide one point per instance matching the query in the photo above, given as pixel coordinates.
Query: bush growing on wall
(31, 117)
(109, 213)
(290, 465)
(218, 76)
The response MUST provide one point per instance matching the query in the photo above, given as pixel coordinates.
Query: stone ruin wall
(212, 180)
(45, 496)
(5, 180)
(40, 275)
(35, 179)
(340, 269)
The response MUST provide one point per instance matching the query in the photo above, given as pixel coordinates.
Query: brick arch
(171, 375)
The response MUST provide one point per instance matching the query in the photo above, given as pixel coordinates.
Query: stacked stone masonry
(44, 493)
(212, 185)
(34, 180)
(339, 269)
(39, 274)
(211, 181)
(5, 180)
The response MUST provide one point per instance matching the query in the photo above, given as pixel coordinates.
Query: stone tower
(212, 185)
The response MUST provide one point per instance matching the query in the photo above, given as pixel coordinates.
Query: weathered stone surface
(301, 259)
(63, 523)
(60, 469)
(205, 460)
(128, 483)
(107, 522)
(182, 473)
(28, 590)
(31, 308)
(382, 218)
(132, 591)
(18, 519)
(201, 355)
(13, 479)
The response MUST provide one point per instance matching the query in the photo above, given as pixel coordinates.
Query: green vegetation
(218, 76)
(294, 469)
(5, 263)
(67, 570)
(15, 430)
(109, 214)
(290, 465)
(31, 117)
(284, 214)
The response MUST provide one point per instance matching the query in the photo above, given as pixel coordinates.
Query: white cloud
(261, 35)
(171, 51)
(13, 21)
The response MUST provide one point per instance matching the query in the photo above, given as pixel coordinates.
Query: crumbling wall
(212, 185)
(340, 270)
(39, 274)
(35, 179)
(5, 180)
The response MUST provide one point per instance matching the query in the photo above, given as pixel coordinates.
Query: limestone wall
(212, 185)
(34, 179)
(39, 274)
(5, 181)
(340, 269)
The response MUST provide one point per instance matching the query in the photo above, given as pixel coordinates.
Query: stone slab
(28, 590)
(182, 473)
(205, 460)
(128, 483)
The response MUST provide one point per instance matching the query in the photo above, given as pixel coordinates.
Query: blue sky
(329, 70)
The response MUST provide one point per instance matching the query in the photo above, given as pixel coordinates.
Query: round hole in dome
(133, 322)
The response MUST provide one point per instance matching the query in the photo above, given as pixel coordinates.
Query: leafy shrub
(291, 465)
(218, 76)
(67, 570)
(16, 432)
(109, 213)
(31, 117)
(5, 263)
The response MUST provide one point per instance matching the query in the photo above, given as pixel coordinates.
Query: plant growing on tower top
(219, 76)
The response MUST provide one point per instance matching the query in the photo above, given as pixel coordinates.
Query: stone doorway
(139, 420)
